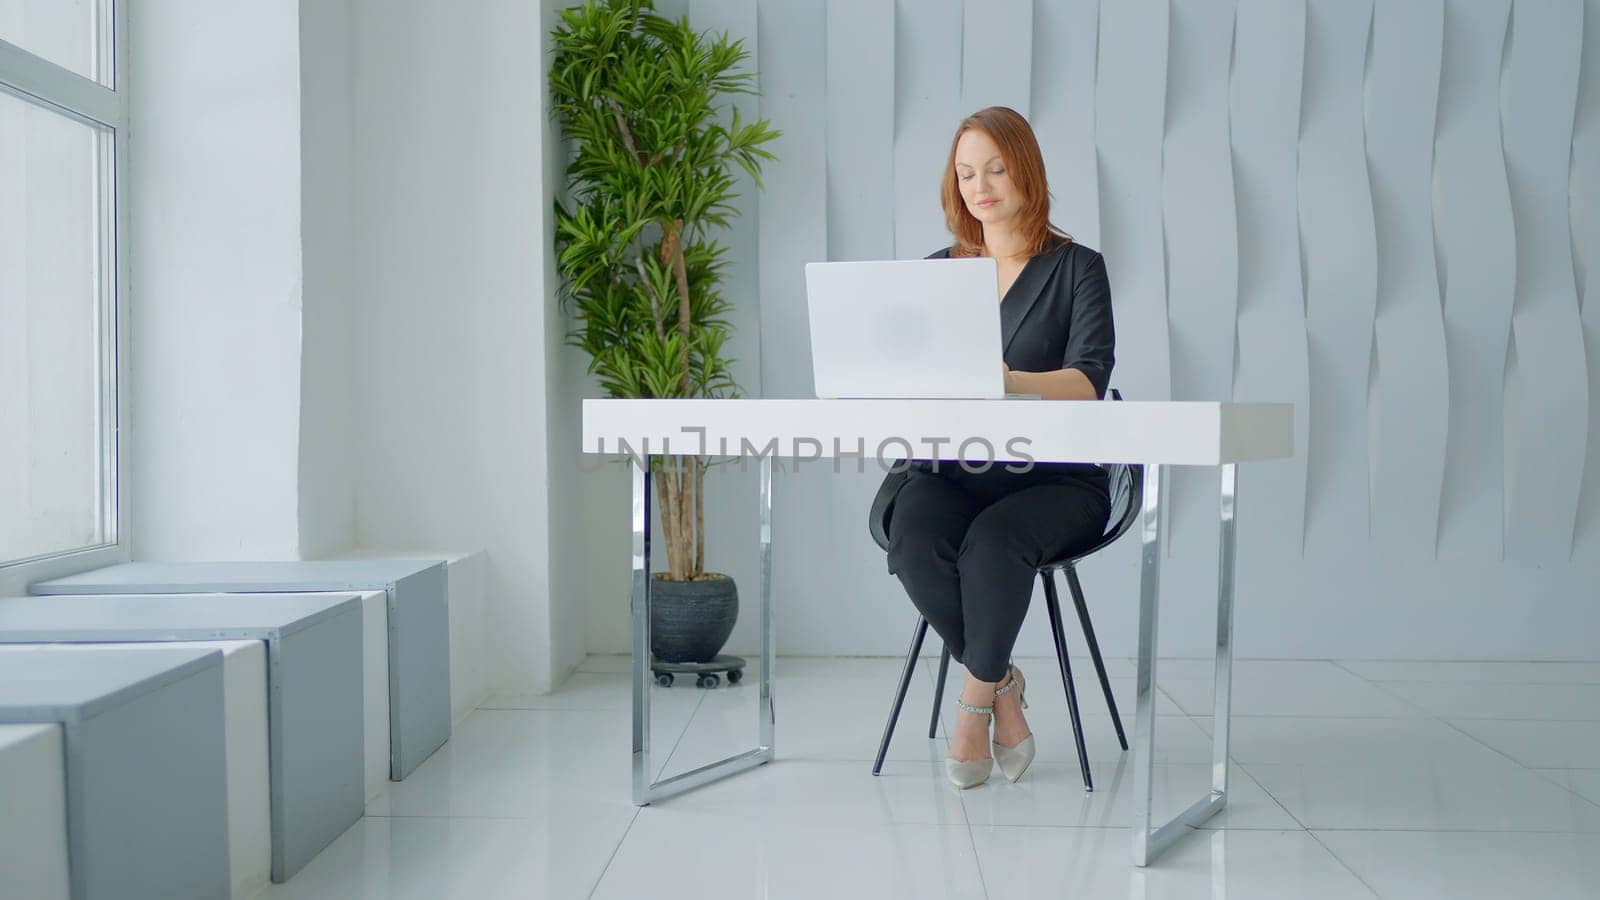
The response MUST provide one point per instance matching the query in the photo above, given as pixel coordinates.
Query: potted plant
(636, 94)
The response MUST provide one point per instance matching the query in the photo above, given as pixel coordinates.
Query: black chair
(1126, 485)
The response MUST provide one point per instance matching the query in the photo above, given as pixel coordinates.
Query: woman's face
(981, 174)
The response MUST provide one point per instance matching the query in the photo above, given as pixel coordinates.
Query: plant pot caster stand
(705, 672)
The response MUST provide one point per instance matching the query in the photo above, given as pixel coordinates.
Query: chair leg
(1053, 604)
(1094, 652)
(900, 696)
(938, 692)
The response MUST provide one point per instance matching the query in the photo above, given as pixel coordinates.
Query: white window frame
(43, 83)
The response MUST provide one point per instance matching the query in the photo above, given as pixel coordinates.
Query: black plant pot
(691, 620)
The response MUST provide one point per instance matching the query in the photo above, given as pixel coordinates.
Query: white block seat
(418, 624)
(313, 689)
(33, 825)
(144, 764)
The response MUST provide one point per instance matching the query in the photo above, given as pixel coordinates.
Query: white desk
(1155, 434)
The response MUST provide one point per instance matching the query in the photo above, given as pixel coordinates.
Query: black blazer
(1057, 314)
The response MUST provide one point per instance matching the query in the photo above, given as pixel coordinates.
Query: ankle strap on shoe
(980, 710)
(1010, 685)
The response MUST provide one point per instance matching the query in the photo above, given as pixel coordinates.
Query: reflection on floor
(1351, 779)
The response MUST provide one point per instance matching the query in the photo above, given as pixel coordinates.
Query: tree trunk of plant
(699, 515)
(663, 479)
(672, 254)
(680, 495)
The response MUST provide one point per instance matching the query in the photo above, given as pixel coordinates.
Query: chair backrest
(883, 506)
(1125, 483)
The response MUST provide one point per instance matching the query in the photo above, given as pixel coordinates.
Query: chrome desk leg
(645, 790)
(1222, 695)
(1148, 844)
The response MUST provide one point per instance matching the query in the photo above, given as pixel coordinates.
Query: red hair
(1020, 151)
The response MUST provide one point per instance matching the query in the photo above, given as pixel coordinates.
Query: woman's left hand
(1007, 370)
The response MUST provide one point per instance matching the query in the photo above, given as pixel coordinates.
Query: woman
(966, 545)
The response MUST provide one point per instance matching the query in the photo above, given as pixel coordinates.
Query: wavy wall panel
(1539, 97)
(793, 231)
(1130, 108)
(927, 108)
(860, 106)
(1066, 40)
(1412, 394)
(1585, 194)
(1202, 251)
(1135, 104)
(1477, 267)
(996, 46)
(792, 46)
(860, 128)
(731, 494)
(743, 279)
(1268, 55)
(1339, 250)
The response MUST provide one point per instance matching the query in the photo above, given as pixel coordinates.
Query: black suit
(966, 545)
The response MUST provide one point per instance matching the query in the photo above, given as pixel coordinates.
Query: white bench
(244, 721)
(313, 689)
(144, 764)
(418, 624)
(33, 813)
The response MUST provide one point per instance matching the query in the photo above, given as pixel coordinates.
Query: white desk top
(1201, 433)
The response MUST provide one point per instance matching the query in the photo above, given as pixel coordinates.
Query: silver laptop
(905, 328)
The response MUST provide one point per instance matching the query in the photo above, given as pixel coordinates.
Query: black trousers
(967, 547)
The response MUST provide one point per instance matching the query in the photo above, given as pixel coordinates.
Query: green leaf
(670, 86)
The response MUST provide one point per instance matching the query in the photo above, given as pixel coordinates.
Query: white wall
(448, 211)
(1241, 190)
(1297, 201)
(216, 323)
(394, 398)
(328, 411)
(565, 379)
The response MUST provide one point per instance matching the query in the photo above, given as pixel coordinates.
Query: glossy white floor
(1351, 779)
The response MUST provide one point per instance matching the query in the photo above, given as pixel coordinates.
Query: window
(63, 111)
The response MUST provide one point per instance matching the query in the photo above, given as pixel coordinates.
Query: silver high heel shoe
(1013, 761)
(972, 772)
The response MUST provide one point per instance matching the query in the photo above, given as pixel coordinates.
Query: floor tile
(581, 690)
(430, 858)
(1178, 740)
(1052, 794)
(1020, 863)
(1490, 700)
(1489, 796)
(1047, 700)
(725, 723)
(819, 792)
(525, 764)
(1189, 669)
(1297, 740)
(1417, 779)
(1464, 865)
(822, 666)
(606, 662)
(1504, 672)
(1584, 782)
(869, 668)
(1539, 745)
(817, 718)
(670, 853)
(1281, 689)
